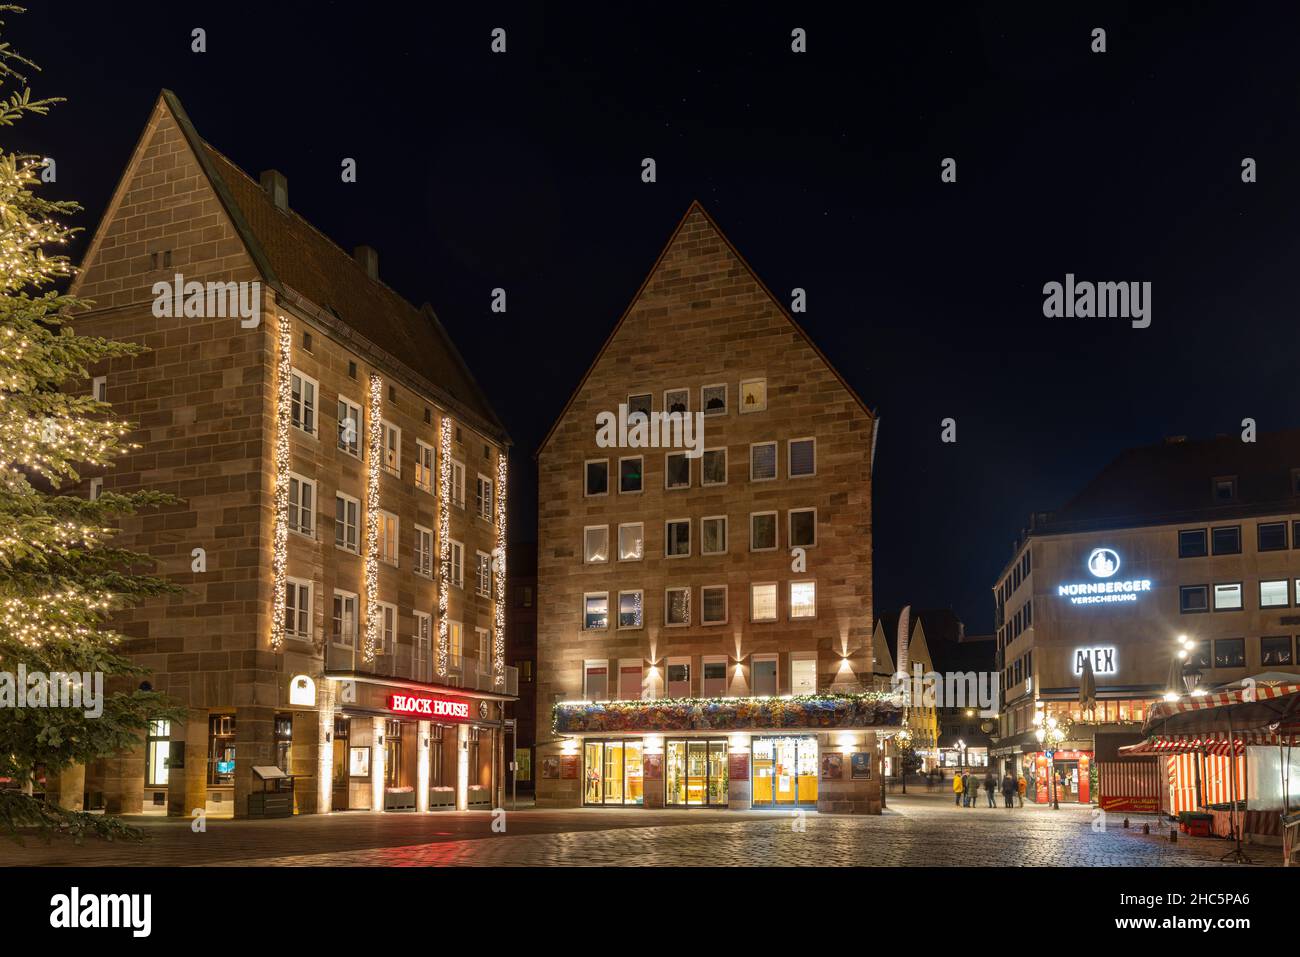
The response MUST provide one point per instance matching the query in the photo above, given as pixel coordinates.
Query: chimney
(277, 187)
(369, 260)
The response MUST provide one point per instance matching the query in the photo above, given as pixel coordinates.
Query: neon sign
(1103, 563)
(425, 706)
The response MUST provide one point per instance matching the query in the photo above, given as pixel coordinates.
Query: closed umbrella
(1087, 686)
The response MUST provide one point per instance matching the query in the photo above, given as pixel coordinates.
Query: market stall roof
(1251, 704)
(1212, 742)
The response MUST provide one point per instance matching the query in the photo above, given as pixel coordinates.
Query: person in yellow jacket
(957, 788)
(1021, 785)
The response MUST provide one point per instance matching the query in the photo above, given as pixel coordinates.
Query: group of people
(966, 786)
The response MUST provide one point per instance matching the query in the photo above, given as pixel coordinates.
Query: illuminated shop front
(813, 751)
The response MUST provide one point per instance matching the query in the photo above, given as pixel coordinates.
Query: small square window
(803, 527)
(762, 602)
(1193, 598)
(713, 399)
(1227, 597)
(803, 599)
(1273, 594)
(597, 481)
(1226, 540)
(762, 461)
(677, 400)
(713, 605)
(1230, 653)
(753, 395)
(713, 535)
(630, 478)
(713, 467)
(1225, 488)
(803, 458)
(1272, 536)
(638, 403)
(762, 531)
(677, 470)
(1275, 650)
(428, 417)
(1192, 543)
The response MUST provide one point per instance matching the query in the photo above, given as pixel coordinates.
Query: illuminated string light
(444, 538)
(499, 613)
(374, 457)
(280, 540)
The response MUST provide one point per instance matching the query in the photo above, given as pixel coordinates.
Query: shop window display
(696, 772)
(785, 771)
(613, 772)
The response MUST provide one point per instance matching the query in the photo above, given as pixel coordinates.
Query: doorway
(785, 771)
(696, 772)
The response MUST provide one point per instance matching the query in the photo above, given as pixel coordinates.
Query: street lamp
(1050, 734)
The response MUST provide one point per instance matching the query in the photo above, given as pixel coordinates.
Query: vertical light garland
(499, 615)
(444, 537)
(374, 456)
(280, 535)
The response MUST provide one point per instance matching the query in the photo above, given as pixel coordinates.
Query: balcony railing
(466, 672)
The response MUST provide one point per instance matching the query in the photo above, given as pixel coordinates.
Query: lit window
(1273, 594)
(388, 537)
(424, 551)
(631, 542)
(803, 599)
(483, 497)
(1227, 597)
(456, 572)
(762, 602)
(483, 583)
(391, 440)
(423, 647)
(424, 459)
(344, 630)
(630, 609)
(677, 606)
(595, 611)
(595, 544)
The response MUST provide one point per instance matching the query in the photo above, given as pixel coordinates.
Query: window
(1193, 598)
(387, 627)
(524, 596)
(457, 483)
(344, 629)
(713, 605)
(762, 461)
(302, 402)
(1273, 594)
(764, 674)
(456, 553)
(388, 537)
(302, 498)
(483, 579)
(638, 403)
(96, 488)
(1227, 540)
(483, 497)
(677, 537)
(390, 439)
(713, 399)
(630, 609)
(1272, 536)
(762, 531)
(158, 753)
(423, 466)
(801, 458)
(597, 477)
(762, 602)
(455, 639)
(595, 540)
(677, 400)
(753, 395)
(352, 369)
(631, 542)
(424, 551)
(713, 467)
(595, 680)
(803, 600)
(346, 510)
(803, 676)
(713, 677)
(1225, 488)
(297, 609)
(595, 611)
(803, 527)
(677, 470)
(99, 388)
(713, 535)
(1227, 597)
(1199, 656)
(306, 341)
(629, 679)
(423, 645)
(1191, 543)
(1275, 650)
(677, 606)
(679, 677)
(1230, 653)
(351, 426)
(630, 475)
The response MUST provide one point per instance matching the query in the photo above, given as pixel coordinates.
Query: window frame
(422, 531)
(592, 561)
(668, 590)
(726, 462)
(1241, 595)
(356, 618)
(740, 395)
(685, 390)
(689, 543)
(359, 417)
(424, 450)
(456, 562)
(776, 460)
(1204, 532)
(458, 483)
(623, 525)
(618, 624)
(668, 456)
(789, 457)
(297, 584)
(356, 526)
(294, 515)
(726, 607)
(1214, 550)
(776, 602)
(791, 616)
(387, 429)
(587, 665)
(789, 526)
(594, 594)
(776, 530)
(726, 398)
(586, 483)
(1214, 652)
(382, 552)
(628, 458)
(482, 573)
(1259, 536)
(303, 378)
(1286, 588)
(726, 533)
(387, 640)
(1183, 589)
(765, 657)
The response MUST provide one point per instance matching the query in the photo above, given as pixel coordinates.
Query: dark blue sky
(522, 171)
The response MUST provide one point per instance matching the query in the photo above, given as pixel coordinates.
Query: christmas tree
(60, 575)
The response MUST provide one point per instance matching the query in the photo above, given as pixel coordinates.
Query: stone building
(343, 479)
(700, 608)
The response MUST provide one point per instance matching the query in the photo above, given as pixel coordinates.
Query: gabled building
(343, 481)
(703, 598)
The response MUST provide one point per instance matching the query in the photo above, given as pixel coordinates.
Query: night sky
(523, 171)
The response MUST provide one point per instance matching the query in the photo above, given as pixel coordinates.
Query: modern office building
(704, 610)
(1195, 539)
(343, 482)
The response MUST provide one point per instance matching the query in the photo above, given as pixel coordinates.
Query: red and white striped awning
(1163, 710)
(1210, 742)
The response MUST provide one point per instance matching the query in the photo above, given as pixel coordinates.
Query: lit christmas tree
(60, 575)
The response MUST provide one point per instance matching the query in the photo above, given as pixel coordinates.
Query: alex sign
(1103, 564)
(1103, 660)
(426, 706)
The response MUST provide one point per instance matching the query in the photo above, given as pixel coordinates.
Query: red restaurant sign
(428, 707)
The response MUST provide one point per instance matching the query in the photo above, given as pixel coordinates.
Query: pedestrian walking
(990, 785)
(1008, 790)
(1021, 785)
(968, 789)
(956, 790)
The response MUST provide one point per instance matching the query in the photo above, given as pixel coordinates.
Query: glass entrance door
(785, 771)
(613, 772)
(696, 772)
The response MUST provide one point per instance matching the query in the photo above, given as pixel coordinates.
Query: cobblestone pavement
(915, 830)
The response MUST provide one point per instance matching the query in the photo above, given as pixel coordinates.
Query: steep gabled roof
(697, 207)
(299, 262)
